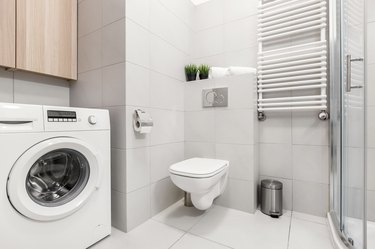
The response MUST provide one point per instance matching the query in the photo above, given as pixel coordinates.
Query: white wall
(293, 146)
(371, 109)
(101, 81)
(158, 34)
(30, 88)
(228, 133)
(225, 33)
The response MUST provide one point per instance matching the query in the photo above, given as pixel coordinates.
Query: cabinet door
(47, 37)
(7, 33)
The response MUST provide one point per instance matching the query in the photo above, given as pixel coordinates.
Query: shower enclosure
(348, 122)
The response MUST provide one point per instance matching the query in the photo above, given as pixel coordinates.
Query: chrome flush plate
(215, 97)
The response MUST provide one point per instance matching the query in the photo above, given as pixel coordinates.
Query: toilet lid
(198, 167)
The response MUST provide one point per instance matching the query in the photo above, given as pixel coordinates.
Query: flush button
(92, 120)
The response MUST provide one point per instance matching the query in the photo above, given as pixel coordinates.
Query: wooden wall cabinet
(44, 36)
(8, 33)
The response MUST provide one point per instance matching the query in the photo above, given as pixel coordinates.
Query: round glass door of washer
(54, 178)
(57, 177)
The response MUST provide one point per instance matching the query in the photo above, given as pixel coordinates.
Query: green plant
(191, 69)
(204, 70)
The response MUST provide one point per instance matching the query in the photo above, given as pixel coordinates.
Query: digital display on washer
(61, 116)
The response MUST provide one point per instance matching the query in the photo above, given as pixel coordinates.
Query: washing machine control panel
(61, 116)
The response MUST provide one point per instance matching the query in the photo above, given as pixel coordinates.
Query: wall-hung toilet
(205, 179)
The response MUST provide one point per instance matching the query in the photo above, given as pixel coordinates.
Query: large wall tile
(118, 170)
(168, 127)
(353, 164)
(208, 15)
(113, 85)
(208, 42)
(371, 125)
(311, 198)
(244, 58)
(237, 9)
(371, 169)
(193, 94)
(162, 27)
(137, 207)
(138, 11)
(6, 86)
(199, 126)
(239, 195)
(38, 89)
(87, 91)
(137, 168)
(371, 205)
(89, 16)
(113, 10)
(276, 129)
(184, 9)
(137, 85)
(241, 91)
(241, 160)
(234, 126)
(118, 210)
(118, 125)
(370, 11)
(166, 59)
(113, 38)
(371, 84)
(199, 149)
(137, 44)
(163, 194)
(162, 157)
(90, 51)
(240, 34)
(307, 129)
(311, 163)
(166, 92)
(370, 40)
(276, 160)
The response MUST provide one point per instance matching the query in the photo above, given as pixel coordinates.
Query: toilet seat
(198, 167)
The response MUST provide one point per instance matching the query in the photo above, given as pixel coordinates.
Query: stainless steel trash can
(272, 198)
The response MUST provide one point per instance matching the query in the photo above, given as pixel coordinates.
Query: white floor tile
(242, 230)
(309, 217)
(309, 235)
(151, 234)
(179, 216)
(370, 235)
(224, 228)
(193, 242)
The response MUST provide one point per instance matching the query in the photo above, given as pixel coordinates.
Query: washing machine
(54, 177)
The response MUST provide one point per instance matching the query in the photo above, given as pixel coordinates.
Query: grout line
(177, 239)
(180, 50)
(213, 241)
(290, 229)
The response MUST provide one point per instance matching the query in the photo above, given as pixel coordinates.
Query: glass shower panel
(353, 122)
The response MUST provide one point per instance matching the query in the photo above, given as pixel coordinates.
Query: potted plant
(204, 71)
(191, 71)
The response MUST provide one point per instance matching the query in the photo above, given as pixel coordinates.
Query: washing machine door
(54, 178)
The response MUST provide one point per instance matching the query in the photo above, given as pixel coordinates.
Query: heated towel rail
(292, 56)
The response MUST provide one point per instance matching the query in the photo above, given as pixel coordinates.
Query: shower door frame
(336, 121)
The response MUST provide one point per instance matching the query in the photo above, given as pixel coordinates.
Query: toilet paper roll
(143, 122)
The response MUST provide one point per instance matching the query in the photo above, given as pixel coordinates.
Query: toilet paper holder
(143, 122)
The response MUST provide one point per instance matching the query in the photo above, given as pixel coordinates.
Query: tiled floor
(370, 235)
(179, 227)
